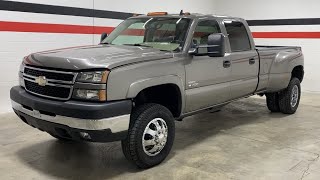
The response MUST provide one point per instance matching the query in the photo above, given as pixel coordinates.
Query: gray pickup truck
(150, 71)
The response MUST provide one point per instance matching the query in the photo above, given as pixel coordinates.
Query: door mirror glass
(103, 36)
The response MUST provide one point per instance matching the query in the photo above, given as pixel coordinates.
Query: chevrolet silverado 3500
(150, 71)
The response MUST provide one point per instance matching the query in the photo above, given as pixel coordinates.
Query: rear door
(207, 78)
(244, 59)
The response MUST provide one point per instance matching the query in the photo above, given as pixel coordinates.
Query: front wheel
(290, 97)
(151, 135)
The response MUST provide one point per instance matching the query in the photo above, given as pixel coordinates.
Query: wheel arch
(163, 90)
(298, 72)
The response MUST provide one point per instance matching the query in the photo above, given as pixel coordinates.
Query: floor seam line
(273, 144)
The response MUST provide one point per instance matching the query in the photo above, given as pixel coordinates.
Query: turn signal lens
(157, 13)
(88, 94)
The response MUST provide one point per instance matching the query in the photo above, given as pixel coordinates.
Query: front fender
(140, 85)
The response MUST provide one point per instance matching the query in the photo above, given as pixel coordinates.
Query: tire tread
(273, 102)
(129, 145)
(285, 97)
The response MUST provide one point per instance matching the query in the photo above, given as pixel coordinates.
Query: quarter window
(238, 36)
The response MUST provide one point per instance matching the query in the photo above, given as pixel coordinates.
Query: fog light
(85, 135)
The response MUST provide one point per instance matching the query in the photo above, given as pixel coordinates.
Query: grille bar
(59, 84)
(51, 75)
(55, 92)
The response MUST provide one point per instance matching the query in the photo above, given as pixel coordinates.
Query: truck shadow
(71, 160)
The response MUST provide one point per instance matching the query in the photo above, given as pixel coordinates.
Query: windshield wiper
(137, 44)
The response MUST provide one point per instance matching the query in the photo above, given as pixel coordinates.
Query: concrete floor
(243, 141)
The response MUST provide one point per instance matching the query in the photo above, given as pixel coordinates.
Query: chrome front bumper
(115, 124)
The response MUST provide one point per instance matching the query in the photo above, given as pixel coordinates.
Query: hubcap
(294, 96)
(155, 136)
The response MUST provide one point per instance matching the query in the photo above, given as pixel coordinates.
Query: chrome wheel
(294, 96)
(155, 136)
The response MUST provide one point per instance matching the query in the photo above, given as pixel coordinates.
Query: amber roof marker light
(157, 14)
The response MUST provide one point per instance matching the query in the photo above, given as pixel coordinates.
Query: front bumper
(102, 121)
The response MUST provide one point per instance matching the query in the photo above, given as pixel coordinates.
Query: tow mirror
(214, 48)
(103, 36)
(216, 45)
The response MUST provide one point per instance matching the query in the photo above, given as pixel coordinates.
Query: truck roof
(191, 16)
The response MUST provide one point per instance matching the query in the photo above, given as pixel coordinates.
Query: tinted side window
(203, 30)
(238, 36)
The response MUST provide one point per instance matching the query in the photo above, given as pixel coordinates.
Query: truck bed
(263, 47)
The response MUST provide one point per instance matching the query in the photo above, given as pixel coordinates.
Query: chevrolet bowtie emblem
(41, 80)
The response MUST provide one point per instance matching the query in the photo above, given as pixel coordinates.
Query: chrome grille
(49, 75)
(59, 84)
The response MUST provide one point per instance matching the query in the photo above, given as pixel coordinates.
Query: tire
(273, 102)
(144, 118)
(60, 138)
(286, 103)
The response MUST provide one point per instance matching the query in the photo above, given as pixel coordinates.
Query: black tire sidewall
(273, 102)
(297, 82)
(156, 111)
(285, 97)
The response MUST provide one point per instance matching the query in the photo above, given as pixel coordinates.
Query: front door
(207, 78)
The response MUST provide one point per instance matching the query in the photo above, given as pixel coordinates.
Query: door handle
(252, 61)
(226, 64)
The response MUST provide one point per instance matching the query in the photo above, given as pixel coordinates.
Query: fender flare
(136, 87)
(288, 60)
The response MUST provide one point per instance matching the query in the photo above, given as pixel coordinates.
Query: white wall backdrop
(144, 6)
(15, 45)
(285, 9)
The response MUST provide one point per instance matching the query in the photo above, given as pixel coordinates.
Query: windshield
(162, 33)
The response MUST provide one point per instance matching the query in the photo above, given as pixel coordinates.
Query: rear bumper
(102, 121)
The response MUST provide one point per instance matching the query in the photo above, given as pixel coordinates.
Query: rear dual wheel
(273, 102)
(287, 100)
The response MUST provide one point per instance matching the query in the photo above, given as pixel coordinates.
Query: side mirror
(216, 45)
(103, 36)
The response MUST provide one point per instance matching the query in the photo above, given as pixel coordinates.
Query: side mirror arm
(193, 51)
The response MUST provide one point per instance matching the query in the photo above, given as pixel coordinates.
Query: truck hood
(97, 56)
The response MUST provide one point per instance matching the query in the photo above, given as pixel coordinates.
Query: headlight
(86, 91)
(22, 65)
(93, 77)
(88, 94)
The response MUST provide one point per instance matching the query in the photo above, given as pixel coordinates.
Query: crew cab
(150, 71)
